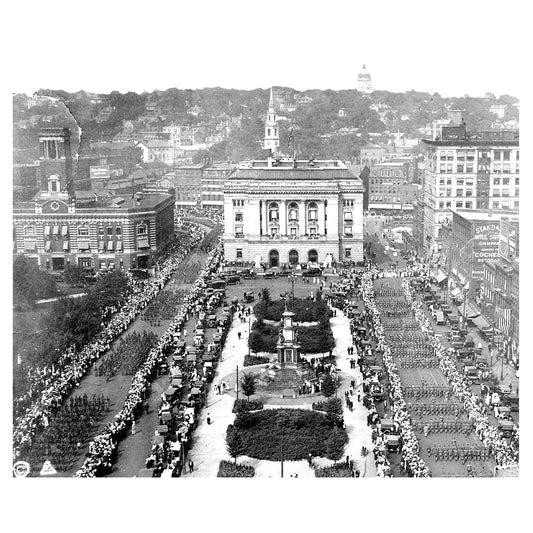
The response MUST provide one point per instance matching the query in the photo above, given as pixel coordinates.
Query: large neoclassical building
(285, 211)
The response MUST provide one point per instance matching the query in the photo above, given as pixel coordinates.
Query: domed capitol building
(364, 81)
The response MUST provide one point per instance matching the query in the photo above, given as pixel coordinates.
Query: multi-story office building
(212, 184)
(282, 211)
(468, 171)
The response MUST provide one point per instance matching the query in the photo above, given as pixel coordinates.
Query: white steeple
(271, 141)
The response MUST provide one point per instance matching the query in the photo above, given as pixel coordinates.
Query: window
(460, 182)
(505, 192)
(83, 231)
(118, 230)
(461, 155)
(497, 155)
(505, 205)
(448, 192)
(273, 231)
(348, 230)
(497, 169)
(239, 253)
(312, 213)
(448, 204)
(518, 155)
(459, 205)
(468, 192)
(469, 168)
(496, 205)
(459, 192)
(348, 215)
(312, 231)
(449, 168)
(441, 205)
(470, 154)
(460, 168)
(141, 230)
(496, 181)
(239, 231)
(449, 181)
(347, 253)
(293, 215)
(442, 181)
(468, 205)
(110, 230)
(238, 217)
(505, 181)
(293, 232)
(442, 168)
(507, 155)
(449, 155)
(443, 156)
(516, 204)
(273, 212)
(496, 192)
(29, 231)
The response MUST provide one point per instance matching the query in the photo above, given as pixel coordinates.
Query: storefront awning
(470, 310)
(143, 243)
(481, 322)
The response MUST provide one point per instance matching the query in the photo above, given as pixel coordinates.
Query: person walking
(239, 335)
(208, 419)
(133, 428)
(191, 466)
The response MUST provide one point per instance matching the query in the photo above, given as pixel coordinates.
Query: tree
(265, 296)
(248, 384)
(74, 275)
(334, 410)
(328, 386)
(335, 444)
(234, 443)
(30, 283)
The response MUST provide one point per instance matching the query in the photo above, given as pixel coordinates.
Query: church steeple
(271, 141)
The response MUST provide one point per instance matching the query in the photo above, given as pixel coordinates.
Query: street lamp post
(237, 383)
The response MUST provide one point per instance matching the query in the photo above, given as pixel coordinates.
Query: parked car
(312, 272)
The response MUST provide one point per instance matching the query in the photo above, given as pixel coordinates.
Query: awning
(481, 322)
(29, 246)
(110, 246)
(119, 246)
(65, 245)
(83, 245)
(56, 230)
(441, 276)
(64, 230)
(471, 310)
(143, 243)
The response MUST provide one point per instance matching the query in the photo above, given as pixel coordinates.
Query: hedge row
(229, 469)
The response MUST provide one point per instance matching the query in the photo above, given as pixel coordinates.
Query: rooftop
(485, 215)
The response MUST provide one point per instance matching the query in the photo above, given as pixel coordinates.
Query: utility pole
(237, 382)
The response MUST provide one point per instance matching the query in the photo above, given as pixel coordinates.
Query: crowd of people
(505, 453)
(126, 358)
(55, 382)
(103, 447)
(65, 432)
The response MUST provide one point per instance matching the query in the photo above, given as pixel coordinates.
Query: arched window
(83, 231)
(141, 229)
(109, 230)
(118, 230)
(312, 212)
(293, 212)
(268, 134)
(273, 212)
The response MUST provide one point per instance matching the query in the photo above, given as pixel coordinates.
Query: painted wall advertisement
(485, 245)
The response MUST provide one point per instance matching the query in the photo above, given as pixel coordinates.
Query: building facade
(271, 141)
(157, 151)
(57, 230)
(468, 171)
(388, 189)
(371, 155)
(287, 212)
(212, 184)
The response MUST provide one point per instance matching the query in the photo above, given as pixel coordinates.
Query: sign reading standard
(100, 171)
(484, 245)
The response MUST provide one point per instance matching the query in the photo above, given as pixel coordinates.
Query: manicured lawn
(305, 310)
(302, 432)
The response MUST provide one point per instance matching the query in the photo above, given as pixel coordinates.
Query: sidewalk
(209, 440)
(358, 432)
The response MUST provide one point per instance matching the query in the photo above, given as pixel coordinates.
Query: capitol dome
(364, 81)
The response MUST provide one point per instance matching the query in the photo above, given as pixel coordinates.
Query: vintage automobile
(506, 427)
(471, 375)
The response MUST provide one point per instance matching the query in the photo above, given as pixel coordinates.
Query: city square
(268, 282)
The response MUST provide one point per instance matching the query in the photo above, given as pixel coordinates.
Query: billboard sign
(485, 245)
(100, 171)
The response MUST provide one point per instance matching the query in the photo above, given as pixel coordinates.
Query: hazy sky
(450, 47)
